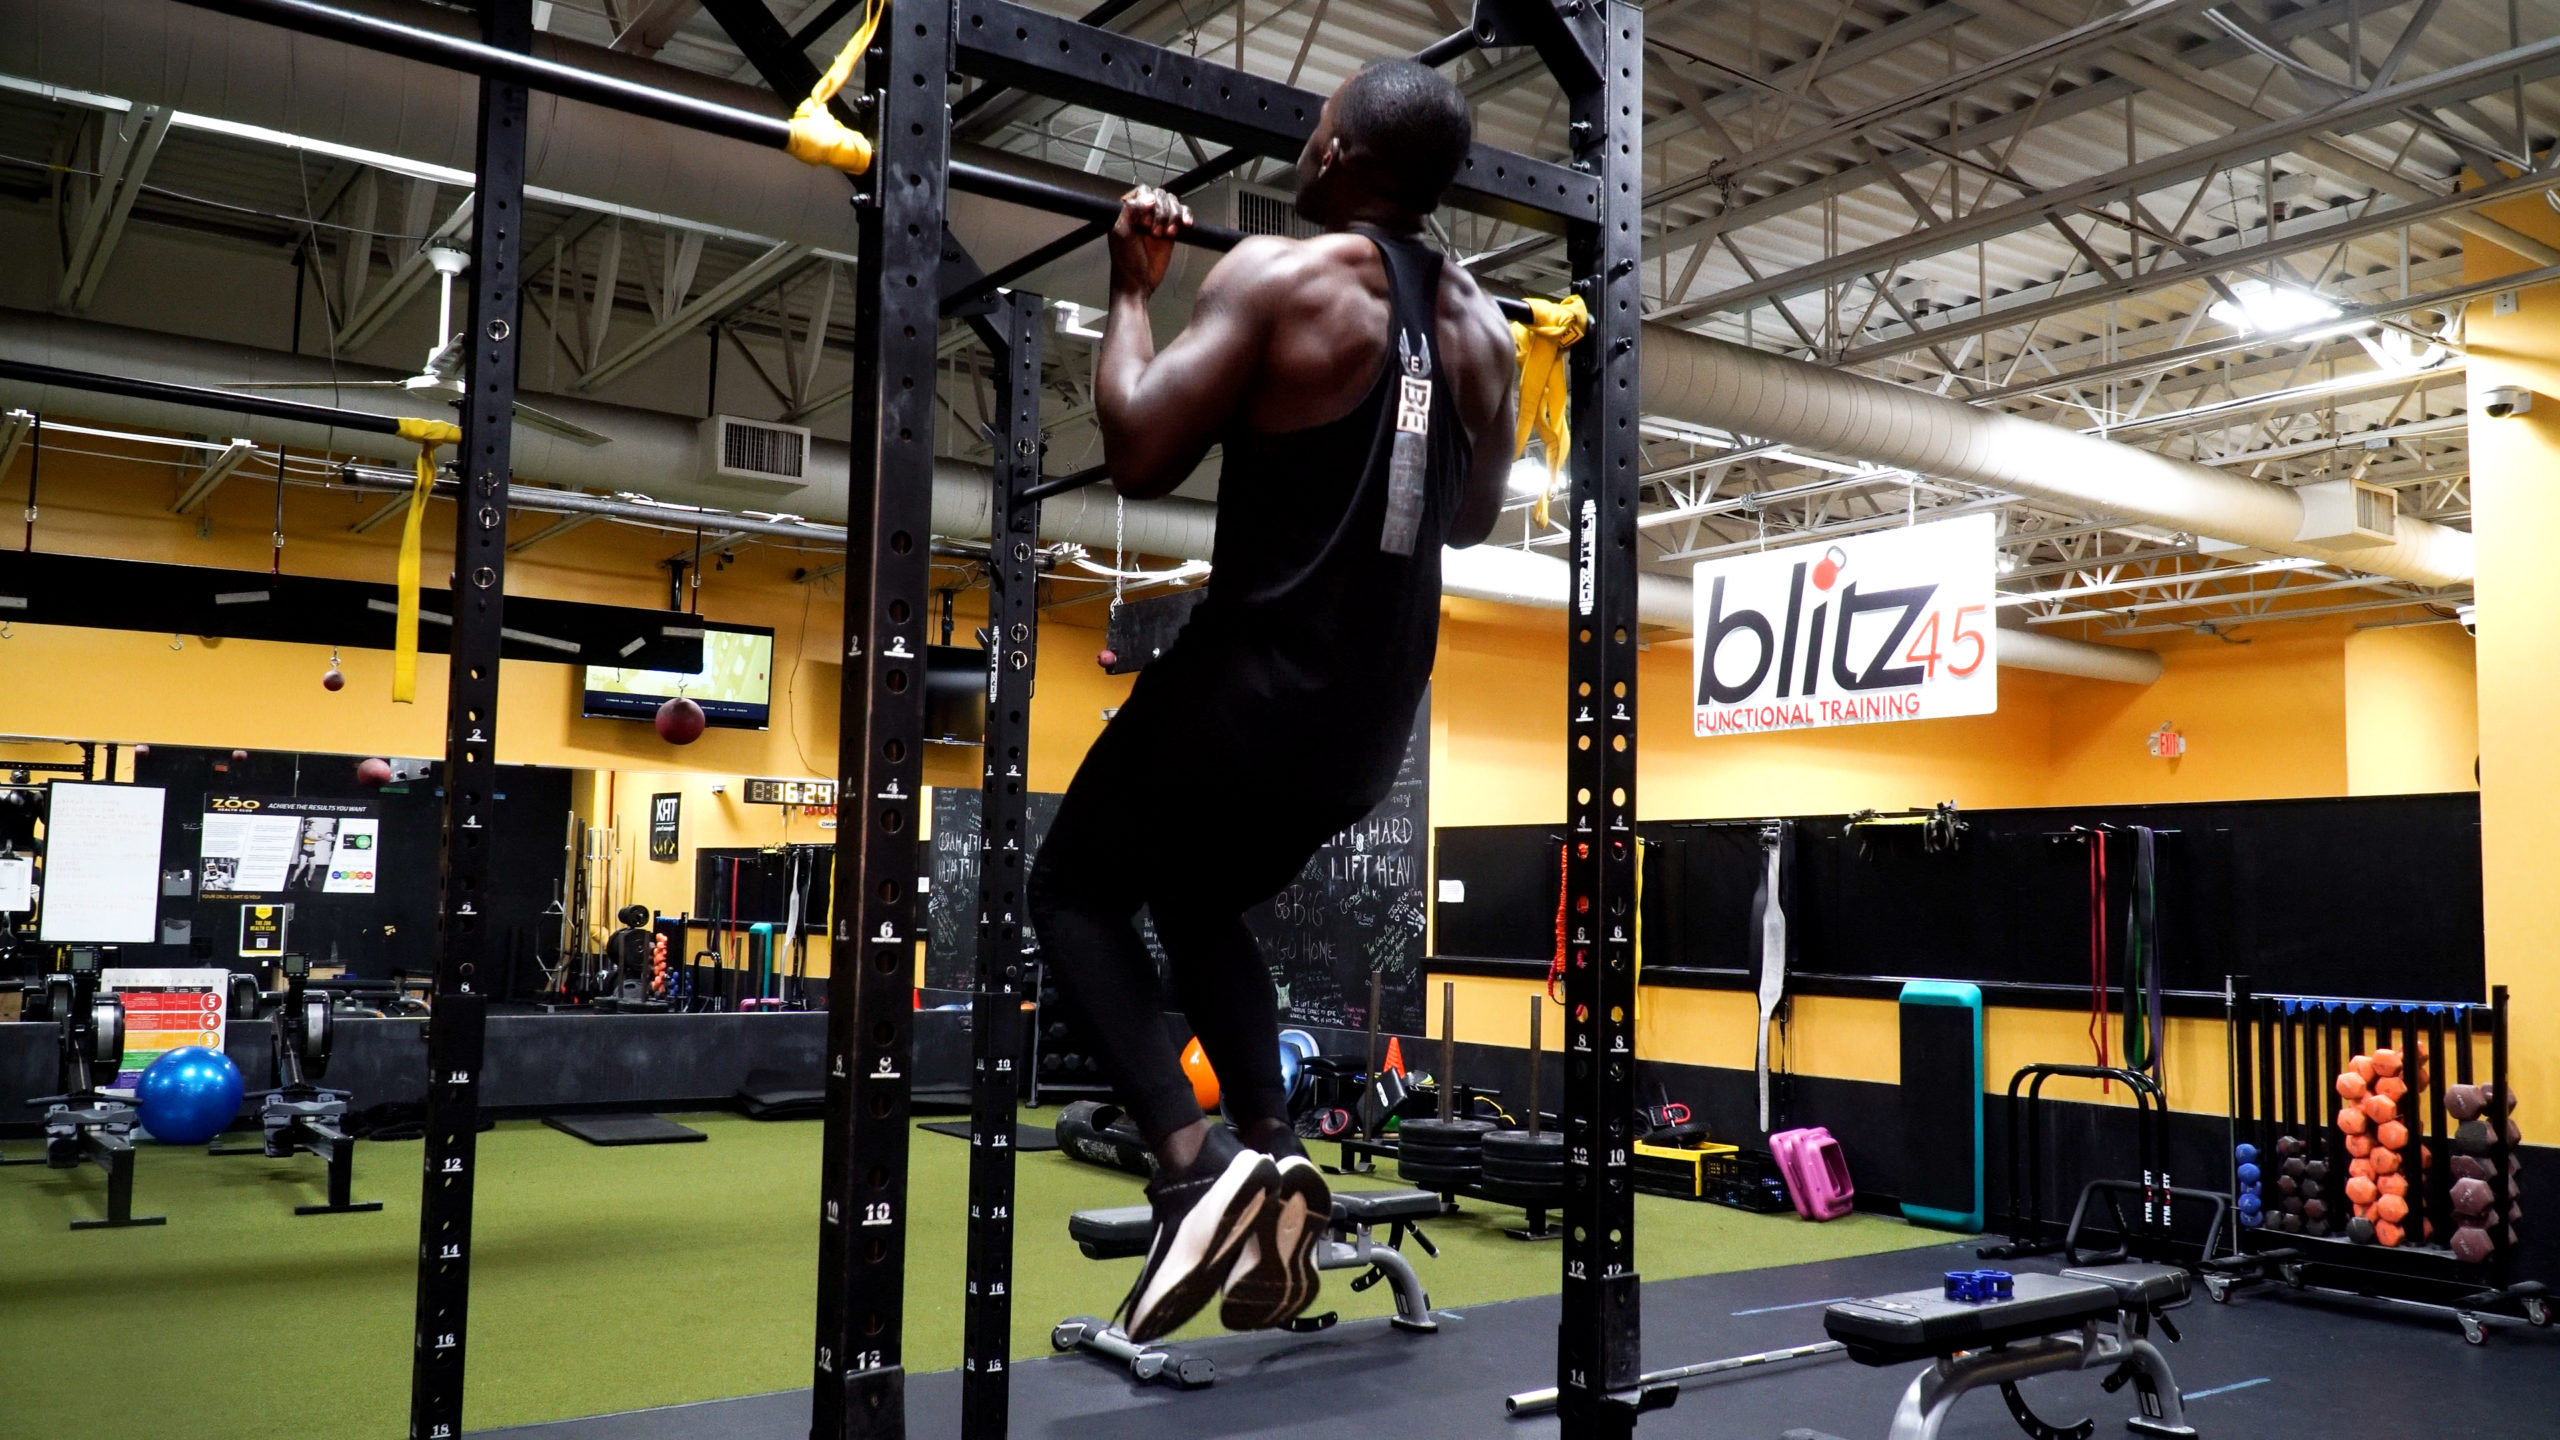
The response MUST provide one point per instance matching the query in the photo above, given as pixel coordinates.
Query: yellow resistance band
(404, 628)
(817, 137)
(1545, 399)
(1636, 990)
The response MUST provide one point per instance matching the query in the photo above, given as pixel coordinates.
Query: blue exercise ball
(2248, 1173)
(188, 1095)
(2246, 1151)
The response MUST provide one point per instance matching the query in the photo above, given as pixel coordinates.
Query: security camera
(2506, 401)
(2469, 615)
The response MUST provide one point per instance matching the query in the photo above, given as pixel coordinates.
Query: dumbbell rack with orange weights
(2292, 1098)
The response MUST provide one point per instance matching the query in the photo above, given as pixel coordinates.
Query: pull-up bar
(1059, 200)
(508, 67)
(200, 396)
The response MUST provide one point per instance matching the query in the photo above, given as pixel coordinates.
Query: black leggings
(1198, 844)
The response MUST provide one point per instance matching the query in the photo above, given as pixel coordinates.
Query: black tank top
(1312, 649)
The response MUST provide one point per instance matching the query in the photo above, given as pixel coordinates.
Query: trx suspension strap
(2143, 1021)
(1544, 398)
(428, 434)
(1769, 936)
(2098, 947)
(817, 137)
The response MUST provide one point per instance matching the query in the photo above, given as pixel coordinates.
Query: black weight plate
(1441, 1154)
(1525, 1171)
(1469, 1133)
(1683, 1135)
(1541, 1197)
(1439, 1177)
(1521, 1145)
(1433, 1160)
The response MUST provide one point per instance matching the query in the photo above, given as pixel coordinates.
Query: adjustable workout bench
(1125, 1233)
(2051, 1323)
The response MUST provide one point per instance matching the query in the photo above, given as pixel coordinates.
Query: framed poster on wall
(256, 846)
(664, 811)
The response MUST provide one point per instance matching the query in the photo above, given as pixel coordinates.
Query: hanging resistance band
(2143, 1021)
(427, 435)
(817, 137)
(797, 860)
(1635, 992)
(1555, 967)
(1769, 929)
(1544, 399)
(2098, 947)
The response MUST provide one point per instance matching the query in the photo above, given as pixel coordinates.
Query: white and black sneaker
(1204, 1216)
(1274, 1278)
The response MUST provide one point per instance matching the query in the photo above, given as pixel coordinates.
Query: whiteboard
(101, 863)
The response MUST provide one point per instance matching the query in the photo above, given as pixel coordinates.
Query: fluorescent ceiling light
(1529, 475)
(57, 427)
(2263, 307)
(1076, 320)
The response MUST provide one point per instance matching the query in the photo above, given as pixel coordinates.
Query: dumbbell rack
(2285, 1051)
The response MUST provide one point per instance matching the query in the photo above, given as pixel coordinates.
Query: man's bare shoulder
(1460, 293)
(1277, 264)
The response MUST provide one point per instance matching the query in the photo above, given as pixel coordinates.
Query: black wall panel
(2374, 896)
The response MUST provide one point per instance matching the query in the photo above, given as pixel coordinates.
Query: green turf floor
(603, 1279)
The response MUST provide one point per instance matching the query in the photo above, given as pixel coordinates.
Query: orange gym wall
(2277, 715)
(2273, 713)
(187, 690)
(2515, 494)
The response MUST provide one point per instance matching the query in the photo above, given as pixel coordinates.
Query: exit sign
(791, 792)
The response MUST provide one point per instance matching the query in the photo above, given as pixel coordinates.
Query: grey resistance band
(1771, 926)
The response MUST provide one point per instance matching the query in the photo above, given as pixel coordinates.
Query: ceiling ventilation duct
(756, 457)
(666, 454)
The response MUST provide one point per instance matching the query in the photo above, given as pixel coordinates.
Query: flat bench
(1125, 1232)
(2098, 1317)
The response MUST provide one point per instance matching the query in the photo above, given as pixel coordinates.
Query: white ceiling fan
(441, 378)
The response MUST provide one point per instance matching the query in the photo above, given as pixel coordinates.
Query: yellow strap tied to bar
(404, 627)
(1544, 393)
(819, 138)
(1635, 992)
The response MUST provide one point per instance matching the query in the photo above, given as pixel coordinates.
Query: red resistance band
(1555, 967)
(2098, 947)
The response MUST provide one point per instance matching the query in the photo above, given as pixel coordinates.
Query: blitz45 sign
(1893, 625)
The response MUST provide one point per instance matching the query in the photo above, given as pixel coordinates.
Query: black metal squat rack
(2286, 1052)
(907, 271)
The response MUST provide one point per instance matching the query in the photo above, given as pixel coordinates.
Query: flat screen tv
(734, 687)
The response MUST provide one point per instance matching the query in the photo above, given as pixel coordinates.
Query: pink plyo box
(1817, 1174)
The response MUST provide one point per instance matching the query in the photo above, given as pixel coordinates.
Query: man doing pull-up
(1362, 394)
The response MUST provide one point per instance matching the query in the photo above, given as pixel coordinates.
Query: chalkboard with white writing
(1357, 906)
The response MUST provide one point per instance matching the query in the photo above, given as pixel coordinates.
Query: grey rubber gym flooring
(2263, 1365)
